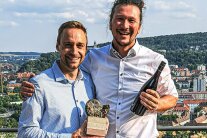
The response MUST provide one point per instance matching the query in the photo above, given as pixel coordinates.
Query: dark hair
(71, 24)
(138, 3)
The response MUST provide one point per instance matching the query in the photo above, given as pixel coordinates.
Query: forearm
(166, 102)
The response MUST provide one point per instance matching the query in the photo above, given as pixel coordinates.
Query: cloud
(12, 1)
(8, 24)
(91, 16)
(82, 13)
(175, 8)
(184, 15)
(163, 5)
(45, 16)
(91, 11)
(90, 20)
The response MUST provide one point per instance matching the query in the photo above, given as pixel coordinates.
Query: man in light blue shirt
(57, 107)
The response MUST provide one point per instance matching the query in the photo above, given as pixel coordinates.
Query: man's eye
(132, 21)
(67, 45)
(80, 46)
(119, 18)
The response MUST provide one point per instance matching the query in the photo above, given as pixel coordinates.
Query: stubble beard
(123, 45)
(68, 65)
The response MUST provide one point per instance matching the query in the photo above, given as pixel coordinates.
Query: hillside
(185, 50)
(176, 42)
(45, 61)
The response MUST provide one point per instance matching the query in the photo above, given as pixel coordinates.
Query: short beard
(66, 65)
(122, 45)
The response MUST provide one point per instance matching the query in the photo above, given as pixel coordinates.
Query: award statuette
(97, 123)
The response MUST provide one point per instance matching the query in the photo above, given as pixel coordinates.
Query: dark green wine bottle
(136, 106)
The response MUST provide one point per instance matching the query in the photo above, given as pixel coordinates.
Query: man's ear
(110, 25)
(57, 46)
(140, 27)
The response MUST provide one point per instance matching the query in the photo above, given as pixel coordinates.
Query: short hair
(138, 3)
(71, 24)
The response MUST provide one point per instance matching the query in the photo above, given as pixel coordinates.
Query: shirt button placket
(120, 93)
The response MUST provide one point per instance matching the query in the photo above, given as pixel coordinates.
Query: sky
(31, 25)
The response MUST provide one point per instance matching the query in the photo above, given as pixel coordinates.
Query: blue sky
(31, 25)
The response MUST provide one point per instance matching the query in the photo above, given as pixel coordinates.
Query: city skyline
(28, 26)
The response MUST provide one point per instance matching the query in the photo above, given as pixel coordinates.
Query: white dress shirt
(118, 81)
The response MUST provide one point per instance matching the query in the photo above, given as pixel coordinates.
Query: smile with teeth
(73, 59)
(123, 32)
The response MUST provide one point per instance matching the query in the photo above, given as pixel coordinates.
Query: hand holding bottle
(150, 99)
(137, 107)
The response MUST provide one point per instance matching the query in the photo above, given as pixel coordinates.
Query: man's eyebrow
(67, 42)
(80, 43)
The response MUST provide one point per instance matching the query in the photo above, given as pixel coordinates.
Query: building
(193, 95)
(183, 84)
(199, 83)
(193, 103)
(201, 67)
(93, 46)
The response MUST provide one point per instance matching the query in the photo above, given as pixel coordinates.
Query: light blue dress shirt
(118, 81)
(57, 108)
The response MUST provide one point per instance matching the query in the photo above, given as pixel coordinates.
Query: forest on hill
(184, 50)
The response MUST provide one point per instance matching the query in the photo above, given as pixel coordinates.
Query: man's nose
(74, 49)
(125, 24)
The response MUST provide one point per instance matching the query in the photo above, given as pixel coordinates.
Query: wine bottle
(137, 107)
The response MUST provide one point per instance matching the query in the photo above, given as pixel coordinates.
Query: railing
(8, 129)
(160, 128)
(182, 128)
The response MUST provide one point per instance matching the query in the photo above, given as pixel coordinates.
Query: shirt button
(76, 100)
(121, 74)
(117, 131)
(80, 115)
(117, 117)
(119, 103)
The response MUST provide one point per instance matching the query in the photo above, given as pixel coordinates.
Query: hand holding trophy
(97, 122)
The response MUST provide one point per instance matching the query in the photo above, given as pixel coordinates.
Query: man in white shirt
(121, 68)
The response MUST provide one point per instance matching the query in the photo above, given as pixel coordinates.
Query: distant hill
(176, 42)
(185, 50)
(45, 61)
(19, 53)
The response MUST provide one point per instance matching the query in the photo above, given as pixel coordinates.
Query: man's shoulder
(151, 56)
(43, 76)
(103, 49)
(86, 75)
(149, 52)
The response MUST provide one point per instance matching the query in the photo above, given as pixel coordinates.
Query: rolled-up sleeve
(166, 85)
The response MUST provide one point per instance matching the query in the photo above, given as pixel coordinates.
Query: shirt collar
(59, 76)
(132, 52)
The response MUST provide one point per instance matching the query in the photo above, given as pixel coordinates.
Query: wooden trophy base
(97, 126)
